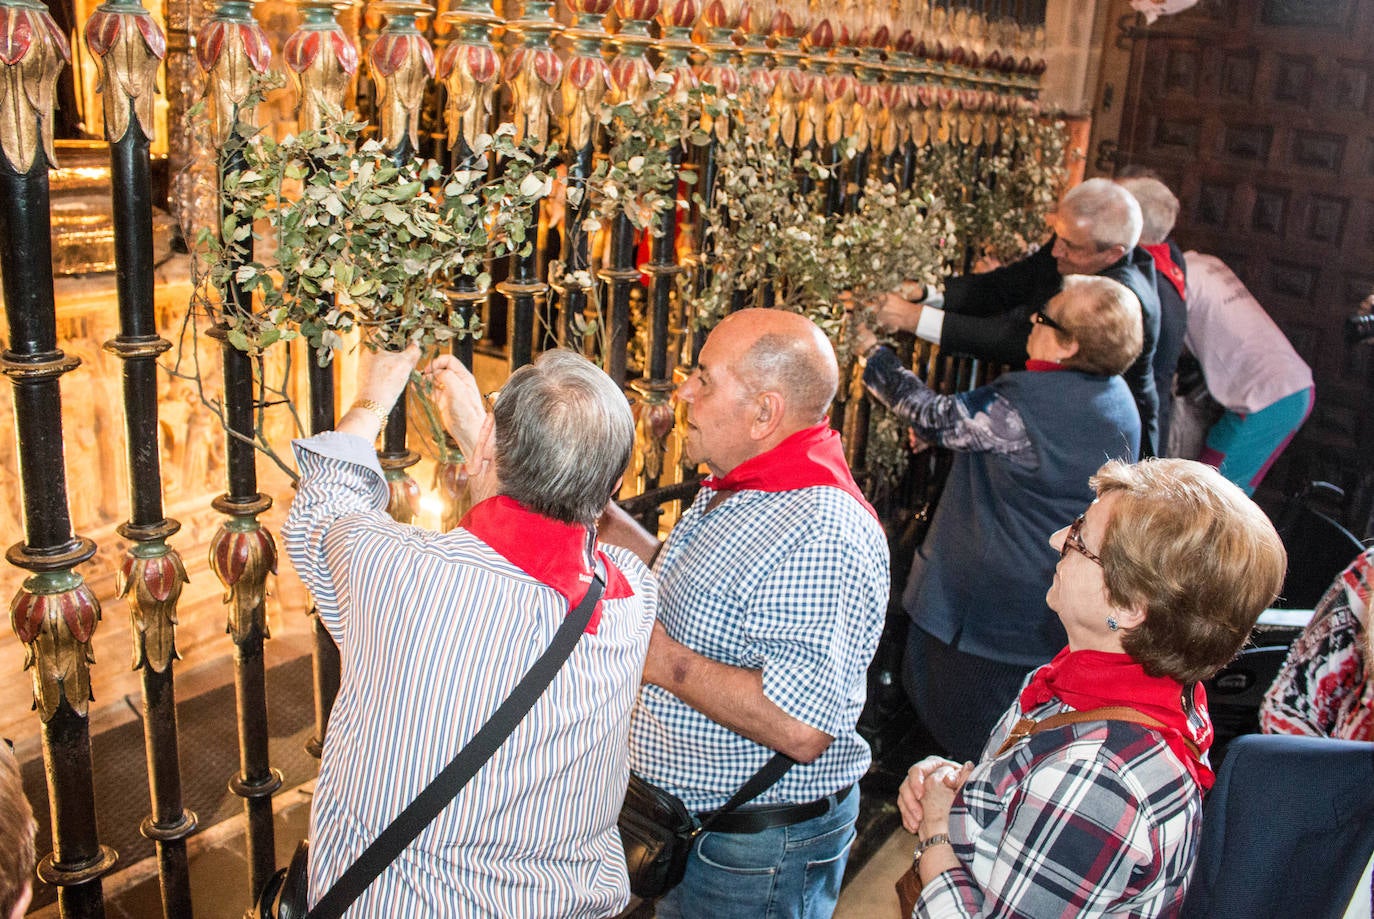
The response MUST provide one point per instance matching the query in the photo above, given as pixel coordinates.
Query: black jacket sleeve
(1137, 272)
(987, 315)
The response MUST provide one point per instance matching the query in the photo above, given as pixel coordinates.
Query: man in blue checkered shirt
(773, 590)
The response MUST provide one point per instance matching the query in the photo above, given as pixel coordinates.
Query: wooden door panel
(1260, 115)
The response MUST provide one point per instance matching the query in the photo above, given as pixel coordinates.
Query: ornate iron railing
(897, 78)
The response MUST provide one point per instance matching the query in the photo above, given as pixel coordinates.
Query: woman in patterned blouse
(1158, 585)
(1324, 688)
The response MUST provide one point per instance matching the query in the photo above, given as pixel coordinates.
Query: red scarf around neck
(812, 456)
(550, 551)
(1085, 680)
(1165, 265)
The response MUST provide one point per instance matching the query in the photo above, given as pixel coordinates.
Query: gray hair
(796, 366)
(1158, 207)
(1112, 214)
(563, 437)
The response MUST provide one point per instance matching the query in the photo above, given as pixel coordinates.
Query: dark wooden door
(1260, 115)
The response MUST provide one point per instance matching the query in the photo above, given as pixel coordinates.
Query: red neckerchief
(1092, 679)
(1038, 366)
(1165, 265)
(812, 456)
(548, 550)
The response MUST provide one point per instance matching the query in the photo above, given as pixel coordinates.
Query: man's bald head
(787, 353)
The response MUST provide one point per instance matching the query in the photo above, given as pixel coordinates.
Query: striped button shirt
(792, 583)
(434, 632)
(1091, 819)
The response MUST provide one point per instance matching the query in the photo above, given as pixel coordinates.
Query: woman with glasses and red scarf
(1025, 446)
(1088, 796)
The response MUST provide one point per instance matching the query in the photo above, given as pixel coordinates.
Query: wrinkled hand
(382, 375)
(459, 402)
(941, 786)
(921, 779)
(896, 314)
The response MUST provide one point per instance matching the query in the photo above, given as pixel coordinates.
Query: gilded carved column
(54, 613)
(233, 51)
(402, 64)
(128, 46)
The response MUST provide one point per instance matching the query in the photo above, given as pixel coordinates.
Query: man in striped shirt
(435, 630)
(774, 585)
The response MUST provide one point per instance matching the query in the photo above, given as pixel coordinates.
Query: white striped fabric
(434, 632)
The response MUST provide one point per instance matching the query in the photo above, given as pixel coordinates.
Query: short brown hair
(16, 830)
(1199, 556)
(1104, 318)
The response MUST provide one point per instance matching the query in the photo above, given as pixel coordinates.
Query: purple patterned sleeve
(981, 421)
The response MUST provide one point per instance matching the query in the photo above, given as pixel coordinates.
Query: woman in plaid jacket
(1159, 583)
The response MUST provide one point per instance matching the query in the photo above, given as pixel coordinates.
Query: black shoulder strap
(757, 784)
(446, 785)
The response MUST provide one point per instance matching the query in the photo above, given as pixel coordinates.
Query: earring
(1111, 623)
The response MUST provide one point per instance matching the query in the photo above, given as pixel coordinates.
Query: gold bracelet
(375, 408)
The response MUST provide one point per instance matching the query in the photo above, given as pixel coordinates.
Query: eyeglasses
(1040, 317)
(1074, 540)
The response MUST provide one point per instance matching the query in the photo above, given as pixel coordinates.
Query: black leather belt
(770, 816)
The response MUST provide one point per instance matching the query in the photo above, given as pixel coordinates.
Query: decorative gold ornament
(402, 63)
(586, 78)
(654, 421)
(632, 76)
(33, 52)
(470, 69)
(242, 554)
(55, 615)
(127, 45)
(532, 74)
(230, 49)
(322, 61)
(152, 585)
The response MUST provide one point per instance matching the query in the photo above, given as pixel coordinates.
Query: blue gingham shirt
(434, 631)
(1098, 818)
(794, 583)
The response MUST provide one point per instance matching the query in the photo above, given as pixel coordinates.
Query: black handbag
(285, 895)
(657, 831)
(286, 892)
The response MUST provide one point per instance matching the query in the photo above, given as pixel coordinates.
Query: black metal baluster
(231, 48)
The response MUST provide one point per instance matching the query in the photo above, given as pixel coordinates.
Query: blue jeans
(791, 872)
